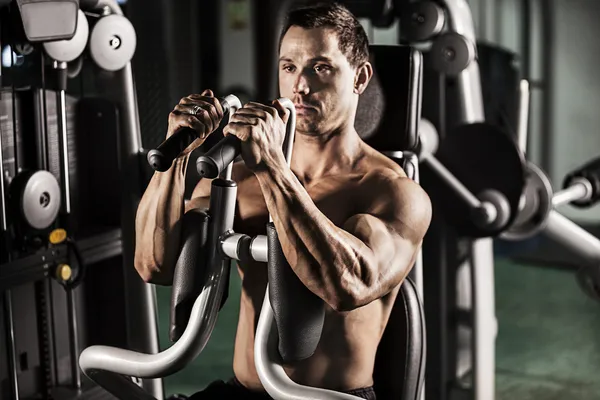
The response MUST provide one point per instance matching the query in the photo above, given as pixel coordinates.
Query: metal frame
(141, 310)
(110, 367)
(564, 231)
(475, 280)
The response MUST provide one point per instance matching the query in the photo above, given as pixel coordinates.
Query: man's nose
(301, 85)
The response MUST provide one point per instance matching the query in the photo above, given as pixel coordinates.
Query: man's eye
(289, 68)
(322, 68)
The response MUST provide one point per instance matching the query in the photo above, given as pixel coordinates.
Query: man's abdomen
(343, 360)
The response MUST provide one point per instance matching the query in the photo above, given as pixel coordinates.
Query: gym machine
(61, 152)
(480, 181)
(209, 244)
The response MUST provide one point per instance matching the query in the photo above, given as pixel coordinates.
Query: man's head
(323, 64)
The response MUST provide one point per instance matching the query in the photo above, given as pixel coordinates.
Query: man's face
(318, 78)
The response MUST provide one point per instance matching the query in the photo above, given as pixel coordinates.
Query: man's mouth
(304, 108)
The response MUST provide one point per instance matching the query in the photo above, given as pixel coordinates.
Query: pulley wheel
(421, 21)
(69, 50)
(112, 42)
(38, 198)
(451, 53)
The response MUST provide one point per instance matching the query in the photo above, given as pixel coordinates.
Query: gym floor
(548, 345)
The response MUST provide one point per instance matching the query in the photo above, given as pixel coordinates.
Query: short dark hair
(352, 38)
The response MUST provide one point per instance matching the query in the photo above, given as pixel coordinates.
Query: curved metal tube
(269, 364)
(106, 365)
(95, 359)
(267, 360)
(469, 81)
(234, 105)
(566, 232)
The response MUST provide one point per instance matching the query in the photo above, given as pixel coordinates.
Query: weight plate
(421, 21)
(112, 42)
(483, 158)
(537, 204)
(40, 200)
(451, 53)
(69, 50)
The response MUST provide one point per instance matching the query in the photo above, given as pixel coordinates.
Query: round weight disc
(40, 200)
(483, 158)
(451, 53)
(112, 42)
(421, 21)
(69, 50)
(540, 195)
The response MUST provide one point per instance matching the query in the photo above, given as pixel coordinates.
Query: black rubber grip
(190, 271)
(211, 164)
(299, 313)
(161, 158)
(591, 172)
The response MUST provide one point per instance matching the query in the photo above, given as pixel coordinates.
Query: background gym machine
(70, 181)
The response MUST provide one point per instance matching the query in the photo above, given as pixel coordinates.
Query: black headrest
(389, 110)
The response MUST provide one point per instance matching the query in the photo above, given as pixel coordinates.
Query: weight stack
(39, 113)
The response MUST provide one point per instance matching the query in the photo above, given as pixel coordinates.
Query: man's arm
(362, 261)
(158, 217)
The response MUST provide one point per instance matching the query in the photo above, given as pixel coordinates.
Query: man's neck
(328, 154)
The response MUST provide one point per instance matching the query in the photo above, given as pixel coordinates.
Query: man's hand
(200, 112)
(261, 129)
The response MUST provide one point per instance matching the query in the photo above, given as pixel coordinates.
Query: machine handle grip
(161, 158)
(211, 164)
(219, 157)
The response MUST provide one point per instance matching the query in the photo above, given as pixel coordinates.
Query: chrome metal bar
(3, 197)
(484, 320)
(61, 118)
(234, 105)
(452, 182)
(581, 189)
(10, 345)
(74, 336)
(232, 247)
(566, 232)
(523, 122)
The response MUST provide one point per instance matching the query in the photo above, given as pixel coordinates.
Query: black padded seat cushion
(400, 362)
(390, 108)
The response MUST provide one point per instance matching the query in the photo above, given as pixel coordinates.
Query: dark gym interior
(510, 310)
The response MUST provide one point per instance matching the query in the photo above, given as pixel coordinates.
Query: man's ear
(364, 73)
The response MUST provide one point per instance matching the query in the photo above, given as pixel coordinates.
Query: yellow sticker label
(57, 236)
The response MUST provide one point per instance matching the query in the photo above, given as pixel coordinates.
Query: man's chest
(337, 198)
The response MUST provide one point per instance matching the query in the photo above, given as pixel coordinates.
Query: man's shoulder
(381, 170)
(386, 183)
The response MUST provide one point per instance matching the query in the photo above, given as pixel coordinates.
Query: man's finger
(238, 129)
(284, 113)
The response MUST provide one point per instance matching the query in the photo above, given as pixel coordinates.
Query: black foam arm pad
(299, 313)
(190, 270)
